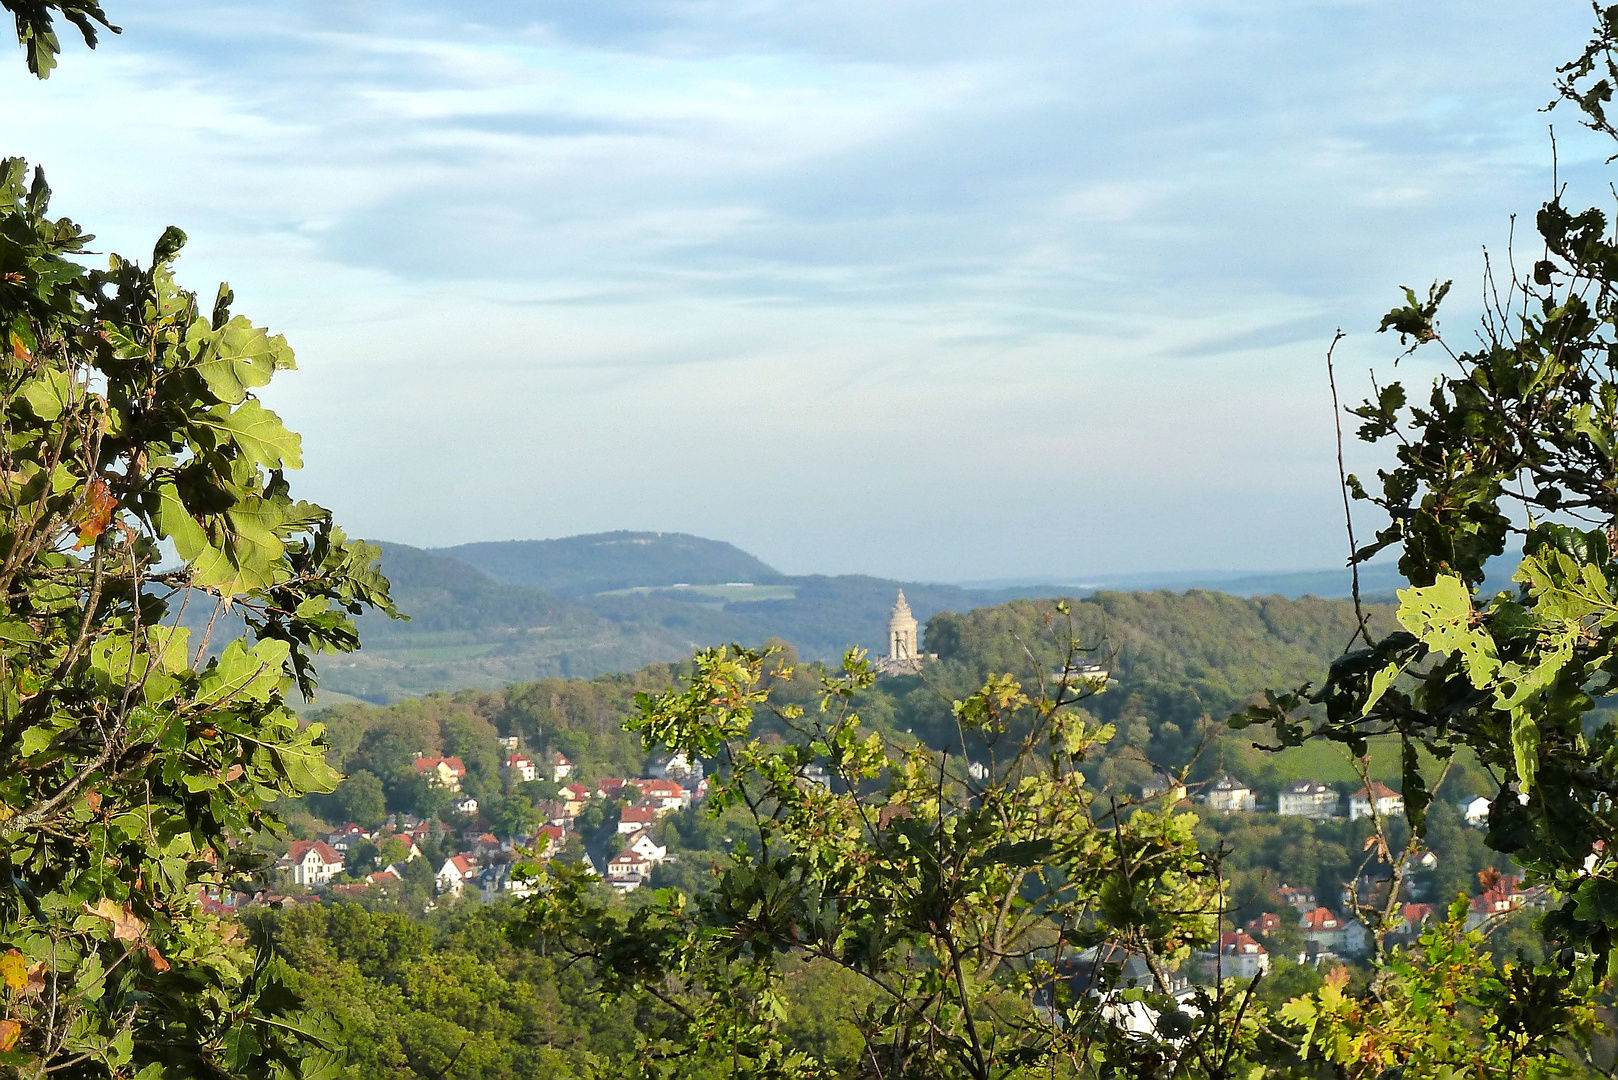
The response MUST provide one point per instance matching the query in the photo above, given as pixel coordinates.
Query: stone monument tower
(901, 631)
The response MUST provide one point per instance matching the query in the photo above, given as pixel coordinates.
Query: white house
(561, 768)
(464, 805)
(664, 796)
(1239, 956)
(1163, 784)
(1325, 930)
(445, 772)
(1307, 798)
(627, 870)
(1228, 795)
(455, 873)
(632, 819)
(678, 767)
(1476, 811)
(522, 767)
(347, 838)
(1387, 801)
(1300, 898)
(643, 845)
(495, 881)
(311, 862)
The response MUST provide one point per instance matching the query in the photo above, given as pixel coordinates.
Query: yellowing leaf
(14, 970)
(10, 1032)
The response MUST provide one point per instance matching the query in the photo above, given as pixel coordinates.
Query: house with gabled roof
(1330, 932)
(627, 870)
(1308, 799)
(664, 796)
(454, 874)
(1384, 799)
(311, 862)
(1298, 897)
(1237, 956)
(642, 844)
(560, 767)
(444, 772)
(521, 767)
(678, 766)
(549, 840)
(633, 819)
(1228, 795)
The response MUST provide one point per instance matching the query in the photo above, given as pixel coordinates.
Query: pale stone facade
(904, 655)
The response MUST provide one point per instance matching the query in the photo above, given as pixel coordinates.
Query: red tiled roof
(1415, 914)
(426, 764)
(660, 788)
(1378, 790)
(301, 848)
(1321, 919)
(1236, 942)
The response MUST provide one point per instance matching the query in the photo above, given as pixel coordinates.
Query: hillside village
(612, 825)
(1305, 928)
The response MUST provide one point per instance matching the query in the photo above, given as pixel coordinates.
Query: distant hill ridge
(484, 615)
(580, 566)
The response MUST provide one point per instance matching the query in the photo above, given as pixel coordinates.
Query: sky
(925, 289)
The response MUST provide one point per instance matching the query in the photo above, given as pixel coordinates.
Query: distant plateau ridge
(489, 614)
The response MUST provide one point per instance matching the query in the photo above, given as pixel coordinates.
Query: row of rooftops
(1303, 798)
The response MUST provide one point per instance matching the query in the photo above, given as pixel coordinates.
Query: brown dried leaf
(126, 925)
(156, 958)
(232, 773)
(36, 979)
(96, 513)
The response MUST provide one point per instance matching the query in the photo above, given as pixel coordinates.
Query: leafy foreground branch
(970, 902)
(138, 763)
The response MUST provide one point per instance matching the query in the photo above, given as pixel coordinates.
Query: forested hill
(1174, 658)
(581, 566)
(489, 614)
(1221, 647)
(485, 627)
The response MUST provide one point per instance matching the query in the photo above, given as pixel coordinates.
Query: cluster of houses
(1225, 794)
(1327, 935)
(672, 783)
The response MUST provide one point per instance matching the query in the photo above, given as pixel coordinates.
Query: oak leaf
(126, 925)
(96, 513)
(13, 970)
(10, 1032)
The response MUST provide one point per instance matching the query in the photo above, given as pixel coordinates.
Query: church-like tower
(901, 631)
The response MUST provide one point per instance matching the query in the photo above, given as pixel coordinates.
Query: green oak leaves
(1512, 442)
(144, 502)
